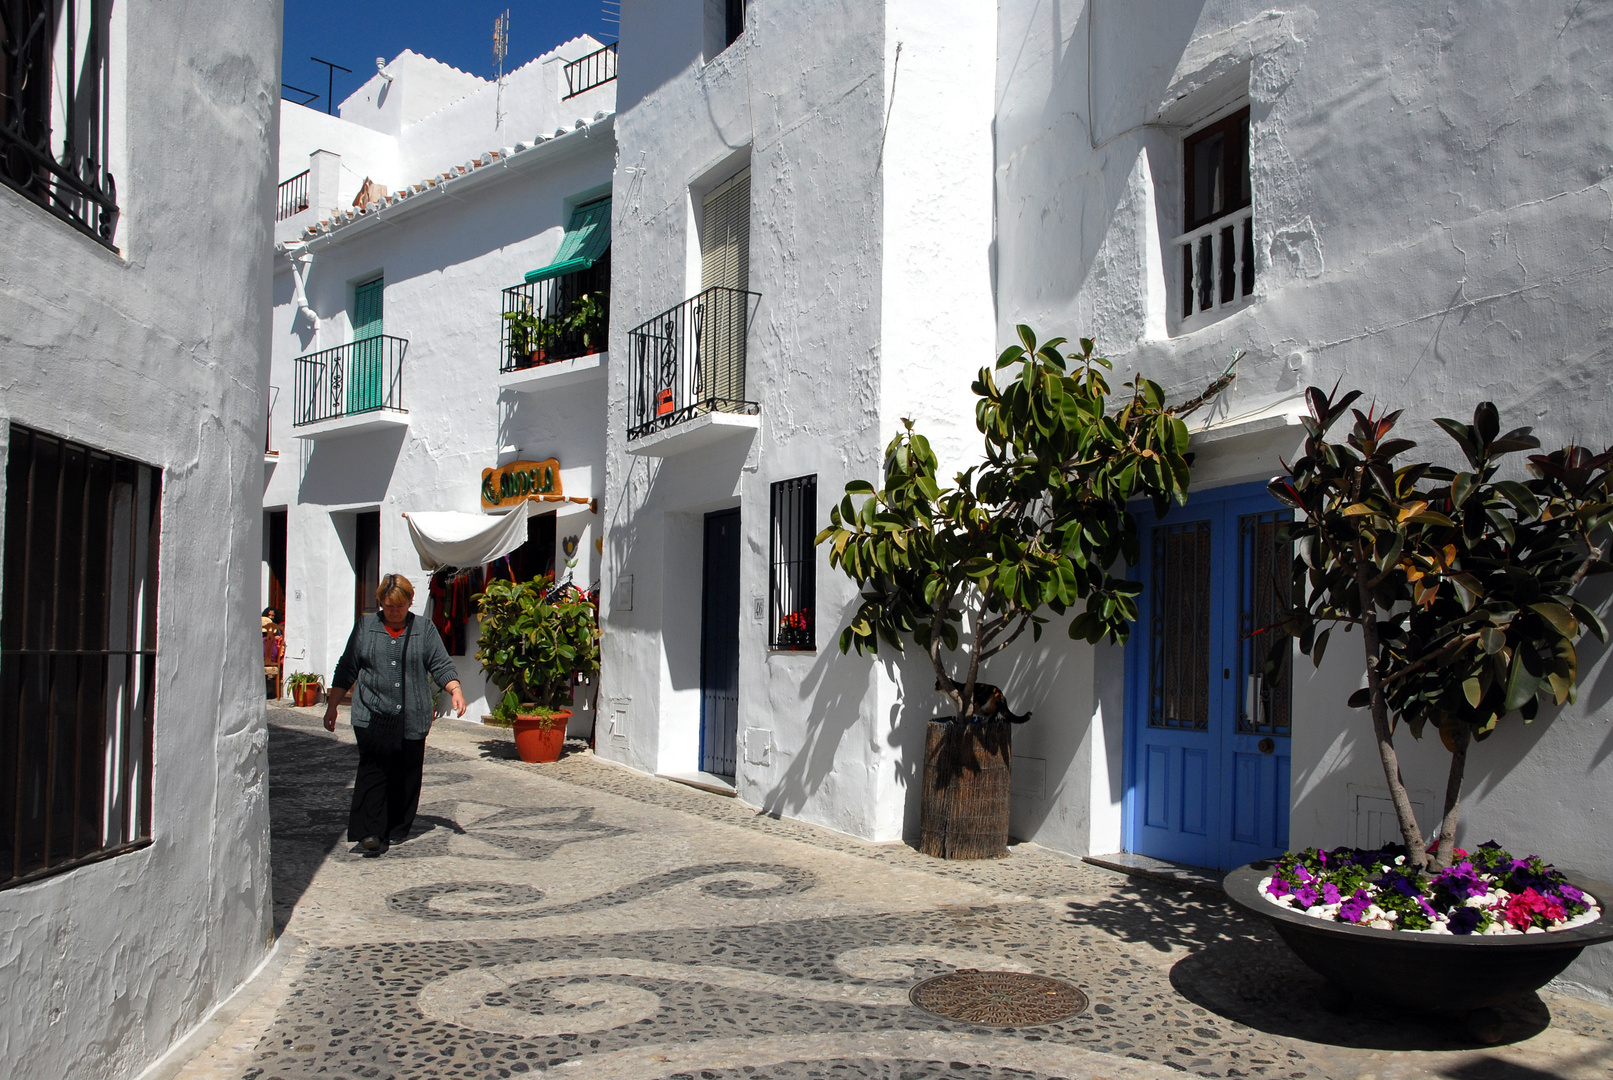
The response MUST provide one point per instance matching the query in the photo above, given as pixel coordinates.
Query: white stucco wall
(1430, 207)
(859, 252)
(446, 256)
(159, 353)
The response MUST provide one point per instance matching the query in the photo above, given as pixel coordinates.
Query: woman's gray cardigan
(386, 674)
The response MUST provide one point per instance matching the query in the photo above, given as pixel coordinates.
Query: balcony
(350, 389)
(686, 380)
(555, 330)
(293, 196)
(1218, 266)
(587, 72)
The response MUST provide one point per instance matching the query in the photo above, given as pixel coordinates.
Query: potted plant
(1462, 583)
(534, 641)
(586, 319)
(303, 688)
(963, 570)
(530, 335)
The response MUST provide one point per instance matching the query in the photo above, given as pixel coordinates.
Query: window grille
(734, 20)
(1217, 246)
(78, 664)
(1266, 569)
(55, 134)
(1180, 665)
(794, 565)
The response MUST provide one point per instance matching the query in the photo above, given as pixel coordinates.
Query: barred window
(78, 635)
(794, 567)
(55, 137)
(1180, 665)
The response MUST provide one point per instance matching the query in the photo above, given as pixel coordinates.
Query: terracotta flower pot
(307, 694)
(538, 744)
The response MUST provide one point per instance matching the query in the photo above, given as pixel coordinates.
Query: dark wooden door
(366, 562)
(719, 644)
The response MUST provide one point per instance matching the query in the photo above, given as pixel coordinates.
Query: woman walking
(387, 664)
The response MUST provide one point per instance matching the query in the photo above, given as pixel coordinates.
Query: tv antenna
(330, 81)
(501, 49)
(611, 12)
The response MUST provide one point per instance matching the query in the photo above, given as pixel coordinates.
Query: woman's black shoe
(370, 843)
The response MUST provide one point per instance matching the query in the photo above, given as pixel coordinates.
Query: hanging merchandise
(452, 606)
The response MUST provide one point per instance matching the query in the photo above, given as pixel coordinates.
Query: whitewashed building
(829, 218)
(409, 225)
(136, 180)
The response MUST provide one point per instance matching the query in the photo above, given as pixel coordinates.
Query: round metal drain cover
(998, 998)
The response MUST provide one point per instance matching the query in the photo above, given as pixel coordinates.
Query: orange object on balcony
(663, 402)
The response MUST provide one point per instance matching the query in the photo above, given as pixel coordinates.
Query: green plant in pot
(586, 319)
(533, 644)
(530, 334)
(303, 688)
(1463, 585)
(1042, 524)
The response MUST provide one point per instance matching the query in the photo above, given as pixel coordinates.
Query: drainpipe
(299, 287)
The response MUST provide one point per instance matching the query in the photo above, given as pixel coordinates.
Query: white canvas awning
(455, 540)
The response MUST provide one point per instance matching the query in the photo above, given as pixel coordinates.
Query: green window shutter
(367, 309)
(586, 239)
(725, 234)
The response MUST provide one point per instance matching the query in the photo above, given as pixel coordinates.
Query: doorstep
(1182, 875)
(705, 781)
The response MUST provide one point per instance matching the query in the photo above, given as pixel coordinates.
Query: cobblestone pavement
(582, 920)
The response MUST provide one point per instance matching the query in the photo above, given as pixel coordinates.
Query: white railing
(1217, 261)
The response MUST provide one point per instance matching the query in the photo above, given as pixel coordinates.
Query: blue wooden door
(365, 384)
(1207, 702)
(719, 645)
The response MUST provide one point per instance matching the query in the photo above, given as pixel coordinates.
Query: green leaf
(1472, 690)
(1559, 617)
(859, 487)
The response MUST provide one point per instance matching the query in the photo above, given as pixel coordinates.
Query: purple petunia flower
(1355, 907)
(1428, 909)
(1464, 920)
(1305, 896)
(1571, 894)
(1303, 875)
(1330, 893)
(1277, 887)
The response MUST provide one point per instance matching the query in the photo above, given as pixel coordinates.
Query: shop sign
(519, 481)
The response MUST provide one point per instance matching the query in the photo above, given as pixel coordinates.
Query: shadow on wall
(1128, 78)
(351, 471)
(836, 686)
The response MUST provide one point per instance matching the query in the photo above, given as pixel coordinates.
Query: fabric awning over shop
(450, 539)
(586, 239)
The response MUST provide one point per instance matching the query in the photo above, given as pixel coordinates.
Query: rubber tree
(1461, 581)
(1040, 526)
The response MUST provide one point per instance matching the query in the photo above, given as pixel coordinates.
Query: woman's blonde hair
(394, 585)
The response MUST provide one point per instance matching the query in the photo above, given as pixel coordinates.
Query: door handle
(1267, 745)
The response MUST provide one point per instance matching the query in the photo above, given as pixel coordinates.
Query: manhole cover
(998, 998)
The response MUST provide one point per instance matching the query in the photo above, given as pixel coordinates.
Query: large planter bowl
(538, 744)
(1460, 976)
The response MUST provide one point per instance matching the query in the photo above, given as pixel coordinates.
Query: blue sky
(458, 32)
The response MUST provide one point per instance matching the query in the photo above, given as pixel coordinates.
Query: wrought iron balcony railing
(689, 361)
(293, 196)
(54, 120)
(587, 72)
(359, 377)
(557, 319)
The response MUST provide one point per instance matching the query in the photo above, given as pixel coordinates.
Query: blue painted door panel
(719, 645)
(1206, 724)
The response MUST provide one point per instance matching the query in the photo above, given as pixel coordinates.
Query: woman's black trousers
(386, 792)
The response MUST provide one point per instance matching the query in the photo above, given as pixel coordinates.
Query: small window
(1267, 572)
(55, 135)
(735, 19)
(794, 566)
(1180, 666)
(1217, 242)
(78, 667)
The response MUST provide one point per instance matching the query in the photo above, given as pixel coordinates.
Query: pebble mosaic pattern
(1177, 981)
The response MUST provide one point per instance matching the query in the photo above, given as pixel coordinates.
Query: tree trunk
(963, 813)
(1416, 852)
(1445, 842)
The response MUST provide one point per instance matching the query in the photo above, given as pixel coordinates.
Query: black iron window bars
(793, 565)
(78, 665)
(587, 72)
(361, 376)
(1266, 569)
(1180, 667)
(550, 320)
(62, 169)
(689, 361)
